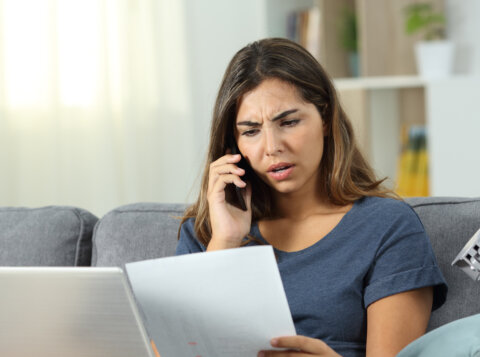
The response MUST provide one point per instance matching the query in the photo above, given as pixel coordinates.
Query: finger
(232, 178)
(226, 159)
(224, 180)
(228, 169)
(303, 343)
(225, 170)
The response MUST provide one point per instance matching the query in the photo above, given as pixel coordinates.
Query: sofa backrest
(136, 232)
(46, 236)
(450, 222)
(62, 236)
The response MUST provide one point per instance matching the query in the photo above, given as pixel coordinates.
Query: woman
(357, 267)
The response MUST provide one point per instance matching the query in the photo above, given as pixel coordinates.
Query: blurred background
(109, 102)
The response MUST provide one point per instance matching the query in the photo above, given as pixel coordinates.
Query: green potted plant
(434, 54)
(348, 39)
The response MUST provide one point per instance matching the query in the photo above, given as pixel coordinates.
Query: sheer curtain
(94, 103)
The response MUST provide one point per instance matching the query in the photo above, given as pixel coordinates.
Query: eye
(291, 122)
(250, 132)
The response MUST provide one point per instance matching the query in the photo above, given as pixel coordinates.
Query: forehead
(268, 98)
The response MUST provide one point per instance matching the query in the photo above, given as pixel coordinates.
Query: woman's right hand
(229, 223)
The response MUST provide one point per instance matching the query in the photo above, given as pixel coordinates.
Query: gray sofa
(69, 236)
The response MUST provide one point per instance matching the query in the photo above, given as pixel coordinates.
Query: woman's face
(281, 136)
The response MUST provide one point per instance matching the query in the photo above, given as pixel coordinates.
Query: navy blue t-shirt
(379, 248)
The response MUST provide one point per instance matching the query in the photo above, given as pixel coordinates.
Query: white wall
(464, 29)
(216, 30)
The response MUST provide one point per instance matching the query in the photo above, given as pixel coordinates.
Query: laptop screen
(72, 312)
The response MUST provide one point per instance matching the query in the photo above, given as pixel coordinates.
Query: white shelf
(388, 82)
(395, 82)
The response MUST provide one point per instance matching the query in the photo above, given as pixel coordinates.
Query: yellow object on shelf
(412, 172)
(421, 183)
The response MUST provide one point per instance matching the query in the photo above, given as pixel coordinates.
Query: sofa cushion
(136, 232)
(450, 222)
(46, 236)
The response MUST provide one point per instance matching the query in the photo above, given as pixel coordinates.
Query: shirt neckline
(340, 226)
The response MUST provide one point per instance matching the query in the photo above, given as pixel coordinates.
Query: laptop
(69, 312)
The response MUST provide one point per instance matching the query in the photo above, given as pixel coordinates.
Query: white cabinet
(453, 122)
(450, 108)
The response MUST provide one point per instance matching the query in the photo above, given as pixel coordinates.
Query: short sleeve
(404, 261)
(188, 242)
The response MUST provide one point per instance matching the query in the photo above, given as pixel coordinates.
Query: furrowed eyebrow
(275, 118)
(284, 114)
(248, 123)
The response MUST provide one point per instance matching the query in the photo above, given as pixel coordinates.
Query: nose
(272, 142)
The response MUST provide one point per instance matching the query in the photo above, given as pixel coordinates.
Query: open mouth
(282, 168)
(280, 171)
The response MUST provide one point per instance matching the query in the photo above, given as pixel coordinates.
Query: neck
(300, 204)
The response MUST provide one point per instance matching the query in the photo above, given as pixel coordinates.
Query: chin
(283, 187)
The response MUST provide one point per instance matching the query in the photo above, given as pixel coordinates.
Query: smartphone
(234, 194)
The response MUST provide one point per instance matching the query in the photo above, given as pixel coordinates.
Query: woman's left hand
(299, 346)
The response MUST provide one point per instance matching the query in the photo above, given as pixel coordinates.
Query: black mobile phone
(234, 194)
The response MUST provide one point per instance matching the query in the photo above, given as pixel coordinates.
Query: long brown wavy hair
(345, 175)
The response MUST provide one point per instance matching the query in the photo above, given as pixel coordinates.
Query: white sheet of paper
(224, 303)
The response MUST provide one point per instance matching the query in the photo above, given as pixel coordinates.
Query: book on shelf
(304, 27)
(412, 171)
